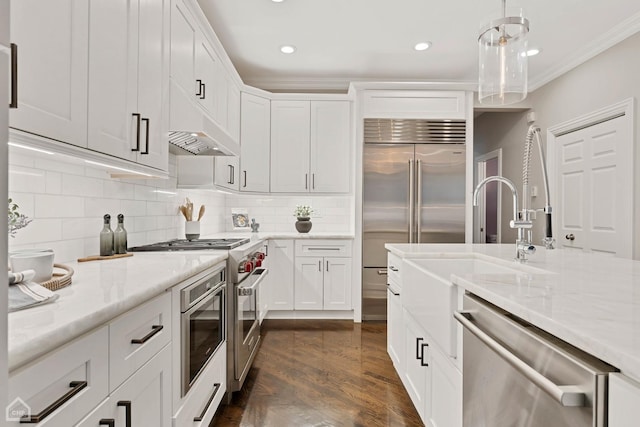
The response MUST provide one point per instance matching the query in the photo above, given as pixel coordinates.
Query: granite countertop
(590, 300)
(100, 291)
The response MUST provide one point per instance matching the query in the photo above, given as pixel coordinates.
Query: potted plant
(16, 220)
(303, 214)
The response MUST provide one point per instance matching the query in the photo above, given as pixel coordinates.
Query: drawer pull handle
(154, 330)
(216, 387)
(422, 362)
(14, 76)
(323, 249)
(76, 387)
(110, 422)
(383, 272)
(127, 411)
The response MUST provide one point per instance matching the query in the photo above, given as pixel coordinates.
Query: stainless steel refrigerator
(413, 192)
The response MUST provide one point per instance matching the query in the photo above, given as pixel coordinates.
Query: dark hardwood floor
(321, 373)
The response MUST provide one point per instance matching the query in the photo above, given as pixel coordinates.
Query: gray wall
(606, 79)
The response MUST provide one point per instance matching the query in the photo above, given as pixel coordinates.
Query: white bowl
(40, 262)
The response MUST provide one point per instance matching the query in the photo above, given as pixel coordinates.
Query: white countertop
(284, 235)
(591, 300)
(99, 292)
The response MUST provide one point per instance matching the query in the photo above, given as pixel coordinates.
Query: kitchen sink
(446, 267)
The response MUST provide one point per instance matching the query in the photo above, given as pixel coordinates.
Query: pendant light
(503, 60)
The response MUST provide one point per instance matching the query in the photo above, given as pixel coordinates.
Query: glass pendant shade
(503, 61)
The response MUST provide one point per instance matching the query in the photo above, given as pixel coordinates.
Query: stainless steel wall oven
(203, 324)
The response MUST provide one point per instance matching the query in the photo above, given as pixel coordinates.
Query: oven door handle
(205, 299)
(566, 395)
(248, 290)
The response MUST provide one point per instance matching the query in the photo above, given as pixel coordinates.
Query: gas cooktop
(190, 245)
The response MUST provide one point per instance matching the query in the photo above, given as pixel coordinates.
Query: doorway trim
(621, 109)
(481, 164)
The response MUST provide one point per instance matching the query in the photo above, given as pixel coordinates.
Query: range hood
(192, 132)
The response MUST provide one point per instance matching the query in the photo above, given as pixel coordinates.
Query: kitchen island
(590, 300)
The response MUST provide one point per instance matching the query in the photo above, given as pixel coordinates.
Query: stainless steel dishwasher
(516, 375)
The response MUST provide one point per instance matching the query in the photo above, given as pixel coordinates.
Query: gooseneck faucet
(523, 245)
(534, 131)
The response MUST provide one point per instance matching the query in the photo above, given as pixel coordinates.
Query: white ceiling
(342, 41)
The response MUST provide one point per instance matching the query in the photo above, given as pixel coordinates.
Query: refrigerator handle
(418, 206)
(412, 204)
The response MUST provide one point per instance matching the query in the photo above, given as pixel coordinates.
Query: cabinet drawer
(322, 247)
(205, 395)
(136, 336)
(406, 104)
(83, 363)
(394, 267)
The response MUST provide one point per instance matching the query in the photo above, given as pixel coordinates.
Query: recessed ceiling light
(287, 49)
(277, 1)
(422, 46)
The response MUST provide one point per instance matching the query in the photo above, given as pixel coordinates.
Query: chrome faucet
(523, 244)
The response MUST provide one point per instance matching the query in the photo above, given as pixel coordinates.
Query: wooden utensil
(101, 257)
(201, 213)
(183, 209)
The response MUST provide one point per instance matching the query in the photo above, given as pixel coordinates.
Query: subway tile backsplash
(66, 200)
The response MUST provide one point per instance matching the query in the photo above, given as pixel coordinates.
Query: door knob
(570, 237)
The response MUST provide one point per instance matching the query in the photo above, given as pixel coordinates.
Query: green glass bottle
(120, 237)
(106, 237)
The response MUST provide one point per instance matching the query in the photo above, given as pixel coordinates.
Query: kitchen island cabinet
(624, 401)
(560, 292)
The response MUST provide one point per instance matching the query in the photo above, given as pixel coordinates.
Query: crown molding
(620, 32)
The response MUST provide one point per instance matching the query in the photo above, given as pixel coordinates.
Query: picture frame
(240, 219)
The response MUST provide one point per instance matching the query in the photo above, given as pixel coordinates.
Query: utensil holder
(192, 230)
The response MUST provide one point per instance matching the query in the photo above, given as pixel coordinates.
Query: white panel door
(308, 280)
(417, 373)
(113, 79)
(52, 68)
(207, 69)
(624, 401)
(595, 188)
(330, 146)
(153, 77)
(233, 110)
(255, 137)
(281, 276)
(337, 284)
(290, 122)
(183, 49)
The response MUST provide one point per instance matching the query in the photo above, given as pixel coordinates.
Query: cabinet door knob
(570, 237)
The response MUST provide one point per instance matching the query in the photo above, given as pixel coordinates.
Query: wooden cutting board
(103, 257)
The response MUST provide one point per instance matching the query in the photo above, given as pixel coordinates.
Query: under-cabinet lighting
(104, 165)
(223, 192)
(164, 192)
(26, 147)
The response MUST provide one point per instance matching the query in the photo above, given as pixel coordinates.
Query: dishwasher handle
(567, 395)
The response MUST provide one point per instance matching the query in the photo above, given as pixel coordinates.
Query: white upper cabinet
(414, 104)
(233, 110)
(330, 148)
(310, 146)
(255, 143)
(226, 172)
(207, 67)
(290, 121)
(184, 36)
(127, 80)
(52, 68)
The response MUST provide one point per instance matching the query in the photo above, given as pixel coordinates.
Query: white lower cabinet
(395, 329)
(322, 275)
(446, 397)
(280, 277)
(142, 400)
(624, 401)
(416, 376)
(76, 375)
(126, 365)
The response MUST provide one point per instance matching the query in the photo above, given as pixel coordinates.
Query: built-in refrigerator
(413, 192)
